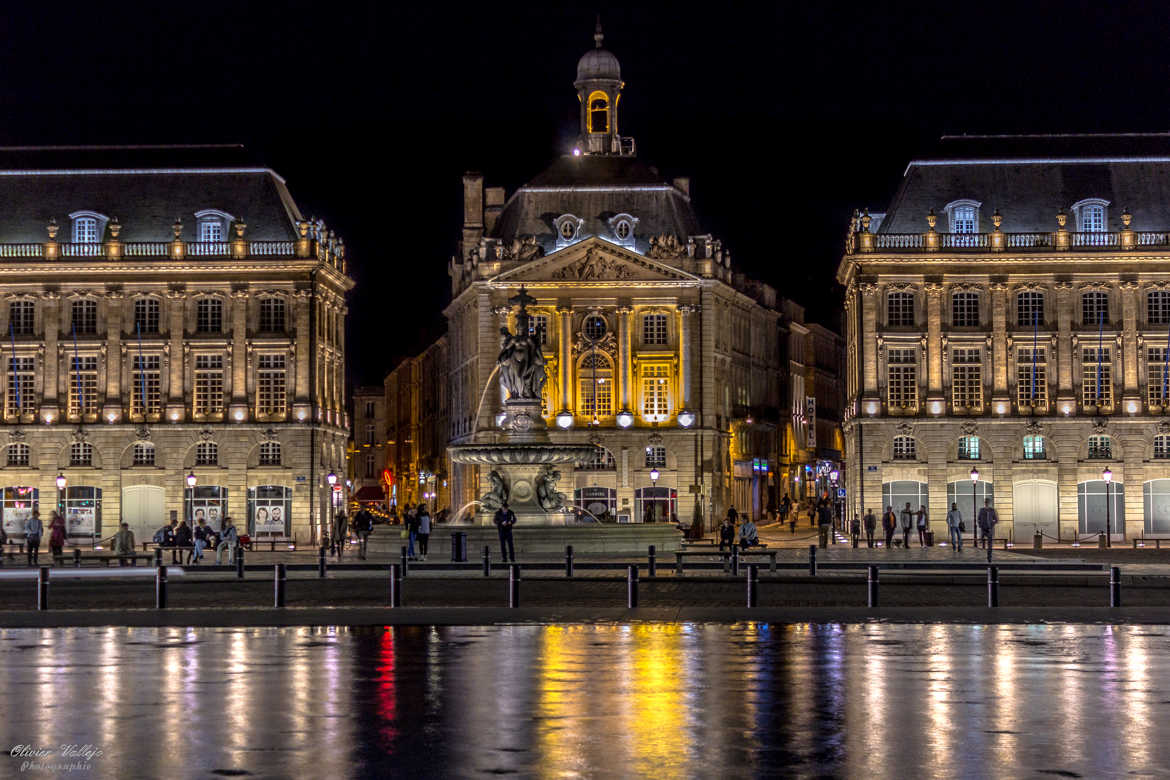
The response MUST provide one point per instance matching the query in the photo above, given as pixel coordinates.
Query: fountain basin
(523, 453)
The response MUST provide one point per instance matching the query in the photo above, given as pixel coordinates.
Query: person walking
(812, 513)
(726, 534)
(200, 541)
(920, 521)
(907, 521)
(855, 530)
(57, 537)
(124, 544)
(749, 535)
(505, 518)
(825, 520)
(229, 540)
(870, 521)
(889, 525)
(424, 530)
(365, 526)
(33, 529)
(183, 538)
(785, 509)
(987, 521)
(340, 533)
(955, 527)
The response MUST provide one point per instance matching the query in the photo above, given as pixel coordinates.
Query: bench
(78, 560)
(272, 542)
(771, 554)
(1144, 542)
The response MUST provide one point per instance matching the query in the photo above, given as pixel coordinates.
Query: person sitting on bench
(727, 533)
(748, 535)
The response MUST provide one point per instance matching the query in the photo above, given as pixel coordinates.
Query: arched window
(602, 460)
(963, 217)
(1034, 447)
(206, 453)
(655, 457)
(1162, 446)
(212, 226)
(905, 448)
(1094, 307)
(898, 494)
(598, 112)
(81, 454)
(270, 453)
(18, 454)
(143, 454)
(968, 448)
(1100, 447)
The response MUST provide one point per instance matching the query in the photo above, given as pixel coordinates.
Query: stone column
(565, 337)
(869, 328)
(113, 402)
(999, 341)
(934, 362)
(684, 354)
(52, 325)
(1063, 358)
(622, 373)
(301, 327)
(175, 307)
(1129, 345)
(238, 408)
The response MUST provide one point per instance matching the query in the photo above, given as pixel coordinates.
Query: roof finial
(598, 36)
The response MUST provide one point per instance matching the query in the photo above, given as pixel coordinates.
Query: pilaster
(934, 363)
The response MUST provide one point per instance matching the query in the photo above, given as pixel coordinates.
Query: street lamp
(1107, 475)
(191, 502)
(331, 478)
(654, 474)
(60, 491)
(974, 507)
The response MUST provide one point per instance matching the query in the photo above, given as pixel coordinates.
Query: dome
(599, 64)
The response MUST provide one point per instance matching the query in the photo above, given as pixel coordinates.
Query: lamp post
(60, 494)
(834, 475)
(331, 478)
(1107, 475)
(654, 474)
(191, 503)
(974, 507)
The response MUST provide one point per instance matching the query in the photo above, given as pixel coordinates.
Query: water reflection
(671, 700)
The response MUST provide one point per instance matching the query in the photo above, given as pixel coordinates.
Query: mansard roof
(145, 187)
(596, 188)
(1029, 178)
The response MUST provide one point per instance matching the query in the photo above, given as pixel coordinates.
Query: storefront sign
(810, 421)
(79, 521)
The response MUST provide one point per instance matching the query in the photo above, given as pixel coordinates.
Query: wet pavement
(669, 700)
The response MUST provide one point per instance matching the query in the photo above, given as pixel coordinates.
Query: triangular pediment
(592, 262)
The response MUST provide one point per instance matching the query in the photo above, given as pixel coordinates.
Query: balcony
(1059, 241)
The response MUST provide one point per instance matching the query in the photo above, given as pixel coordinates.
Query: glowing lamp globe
(565, 419)
(686, 418)
(191, 479)
(626, 419)
(60, 481)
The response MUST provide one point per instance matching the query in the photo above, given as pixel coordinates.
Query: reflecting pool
(669, 700)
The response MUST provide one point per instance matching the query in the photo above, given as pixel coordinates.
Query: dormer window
(963, 215)
(623, 229)
(88, 227)
(1091, 214)
(212, 225)
(568, 229)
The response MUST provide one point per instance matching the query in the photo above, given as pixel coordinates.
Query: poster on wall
(15, 517)
(269, 518)
(79, 521)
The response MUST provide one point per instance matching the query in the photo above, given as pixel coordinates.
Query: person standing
(870, 521)
(955, 527)
(907, 521)
(124, 543)
(785, 508)
(340, 533)
(505, 518)
(424, 530)
(228, 541)
(33, 529)
(855, 530)
(408, 522)
(825, 520)
(365, 526)
(889, 525)
(987, 520)
(920, 521)
(57, 537)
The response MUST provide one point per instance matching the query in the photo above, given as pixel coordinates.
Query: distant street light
(974, 507)
(1107, 475)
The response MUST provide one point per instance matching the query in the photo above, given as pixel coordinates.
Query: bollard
(734, 561)
(157, 557)
(321, 562)
(43, 588)
(568, 560)
(989, 546)
(513, 586)
(487, 561)
(871, 583)
(160, 587)
(1114, 586)
(632, 587)
(77, 557)
(753, 586)
(993, 586)
(278, 577)
(812, 560)
(405, 563)
(678, 564)
(651, 562)
(395, 585)
(239, 562)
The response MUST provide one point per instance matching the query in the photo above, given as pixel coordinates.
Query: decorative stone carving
(593, 266)
(665, 247)
(142, 432)
(905, 429)
(546, 490)
(521, 249)
(520, 360)
(206, 434)
(79, 434)
(16, 435)
(969, 428)
(498, 495)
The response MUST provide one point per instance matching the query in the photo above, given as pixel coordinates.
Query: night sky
(785, 116)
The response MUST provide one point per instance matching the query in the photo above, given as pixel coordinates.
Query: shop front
(83, 513)
(16, 507)
(269, 511)
(207, 503)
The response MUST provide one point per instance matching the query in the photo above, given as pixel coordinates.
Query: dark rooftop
(1048, 147)
(597, 171)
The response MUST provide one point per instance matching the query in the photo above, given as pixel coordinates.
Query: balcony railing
(160, 249)
(999, 241)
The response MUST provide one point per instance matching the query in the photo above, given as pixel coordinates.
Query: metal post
(160, 587)
(1108, 517)
(43, 588)
(753, 586)
(278, 577)
(395, 585)
(513, 586)
(632, 587)
(871, 582)
(487, 561)
(568, 560)
(240, 562)
(1114, 586)
(993, 586)
(734, 561)
(321, 562)
(157, 557)
(678, 564)
(405, 563)
(812, 560)
(651, 563)
(77, 557)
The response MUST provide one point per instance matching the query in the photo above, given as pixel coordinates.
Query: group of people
(34, 532)
(909, 520)
(418, 530)
(747, 536)
(362, 525)
(178, 536)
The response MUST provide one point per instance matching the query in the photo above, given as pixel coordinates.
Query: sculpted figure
(498, 495)
(520, 360)
(546, 490)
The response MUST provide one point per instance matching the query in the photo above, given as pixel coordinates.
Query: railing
(22, 250)
(161, 249)
(208, 248)
(964, 240)
(1030, 240)
(982, 242)
(147, 249)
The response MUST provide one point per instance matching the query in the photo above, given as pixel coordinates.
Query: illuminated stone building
(1007, 321)
(368, 447)
(168, 316)
(657, 350)
(416, 399)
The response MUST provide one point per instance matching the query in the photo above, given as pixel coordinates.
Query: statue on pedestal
(521, 362)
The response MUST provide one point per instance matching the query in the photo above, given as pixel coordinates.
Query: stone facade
(416, 398)
(1022, 343)
(368, 448)
(141, 353)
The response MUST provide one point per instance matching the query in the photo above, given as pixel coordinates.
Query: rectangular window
(271, 315)
(1093, 219)
(596, 396)
(21, 388)
(146, 315)
(1094, 308)
(370, 465)
(85, 230)
(965, 310)
(83, 386)
(966, 379)
(902, 379)
(900, 309)
(208, 384)
(370, 437)
(206, 453)
(654, 329)
(145, 394)
(1100, 447)
(18, 454)
(84, 317)
(968, 448)
(655, 457)
(270, 385)
(210, 231)
(80, 454)
(209, 315)
(538, 327)
(905, 448)
(963, 219)
(1158, 307)
(1157, 380)
(1096, 378)
(655, 393)
(1034, 447)
(270, 453)
(1030, 309)
(369, 408)
(143, 454)
(1162, 447)
(602, 460)
(1032, 378)
(21, 316)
